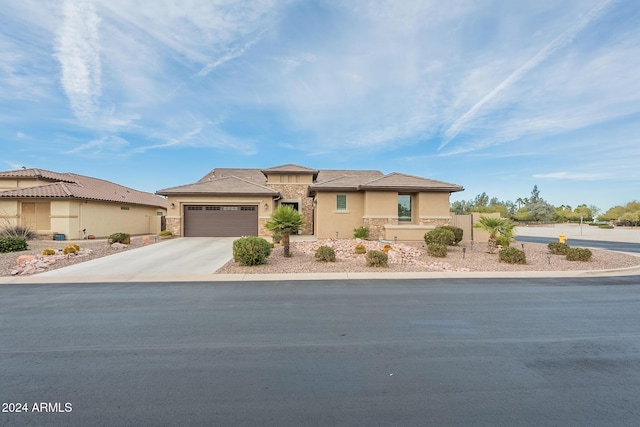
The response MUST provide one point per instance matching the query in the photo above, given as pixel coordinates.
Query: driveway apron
(180, 256)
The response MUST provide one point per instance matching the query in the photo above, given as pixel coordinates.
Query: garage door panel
(220, 221)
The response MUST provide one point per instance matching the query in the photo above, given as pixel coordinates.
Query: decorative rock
(25, 258)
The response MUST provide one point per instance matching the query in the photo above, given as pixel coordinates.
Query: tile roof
(253, 175)
(401, 181)
(37, 173)
(73, 186)
(227, 185)
(325, 180)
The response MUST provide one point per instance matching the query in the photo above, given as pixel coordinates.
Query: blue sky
(497, 96)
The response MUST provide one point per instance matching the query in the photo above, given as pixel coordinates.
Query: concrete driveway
(175, 257)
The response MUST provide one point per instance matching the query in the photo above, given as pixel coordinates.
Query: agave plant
(495, 226)
(285, 221)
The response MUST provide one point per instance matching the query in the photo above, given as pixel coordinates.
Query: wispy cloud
(228, 56)
(99, 147)
(562, 40)
(78, 50)
(572, 176)
(204, 133)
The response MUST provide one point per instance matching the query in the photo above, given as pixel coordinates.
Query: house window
(404, 208)
(341, 202)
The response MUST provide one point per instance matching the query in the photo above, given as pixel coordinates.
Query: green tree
(535, 195)
(540, 210)
(495, 227)
(285, 220)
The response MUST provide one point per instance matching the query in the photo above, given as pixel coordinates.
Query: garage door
(220, 221)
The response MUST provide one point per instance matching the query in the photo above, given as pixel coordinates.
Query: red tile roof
(73, 186)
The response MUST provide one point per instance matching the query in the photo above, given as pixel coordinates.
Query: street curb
(628, 271)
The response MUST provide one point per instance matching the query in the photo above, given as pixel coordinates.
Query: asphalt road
(585, 243)
(510, 352)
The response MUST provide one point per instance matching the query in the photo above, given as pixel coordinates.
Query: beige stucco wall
(8, 213)
(330, 221)
(101, 219)
(433, 205)
(175, 218)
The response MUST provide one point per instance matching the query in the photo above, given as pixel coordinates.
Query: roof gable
(252, 175)
(228, 185)
(401, 181)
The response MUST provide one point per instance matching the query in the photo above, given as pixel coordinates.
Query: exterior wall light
(173, 205)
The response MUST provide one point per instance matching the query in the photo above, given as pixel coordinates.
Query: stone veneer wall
(298, 192)
(376, 226)
(173, 225)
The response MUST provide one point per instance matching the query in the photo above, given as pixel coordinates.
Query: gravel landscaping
(412, 257)
(403, 257)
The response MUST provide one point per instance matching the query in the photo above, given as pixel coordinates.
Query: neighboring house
(235, 202)
(65, 203)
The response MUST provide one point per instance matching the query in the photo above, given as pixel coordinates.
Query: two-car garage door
(220, 221)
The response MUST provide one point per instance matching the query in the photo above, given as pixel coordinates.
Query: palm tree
(285, 221)
(495, 226)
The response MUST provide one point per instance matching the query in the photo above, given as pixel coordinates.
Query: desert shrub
(441, 236)
(376, 259)
(17, 231)
(578, 254)
(71, 249)
(276, 236)
(361, 232)
(13, 244)
(165, 233)
(503, 241)
(124, 238)
(251, 250)
(48, 251)
(558, 248)
(512, 256)
(457, 232)
(437, 250)
(360, 249)
(325, 253)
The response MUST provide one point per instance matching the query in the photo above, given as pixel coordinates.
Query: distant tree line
(535, 208)
(628, 214)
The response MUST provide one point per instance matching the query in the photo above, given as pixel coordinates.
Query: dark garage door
(220, 221)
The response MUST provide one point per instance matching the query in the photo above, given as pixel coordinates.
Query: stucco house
(235, 202)
(66, 203)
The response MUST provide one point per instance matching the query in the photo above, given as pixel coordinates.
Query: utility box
(562, 238)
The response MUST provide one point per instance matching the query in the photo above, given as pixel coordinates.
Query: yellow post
(562, 238)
